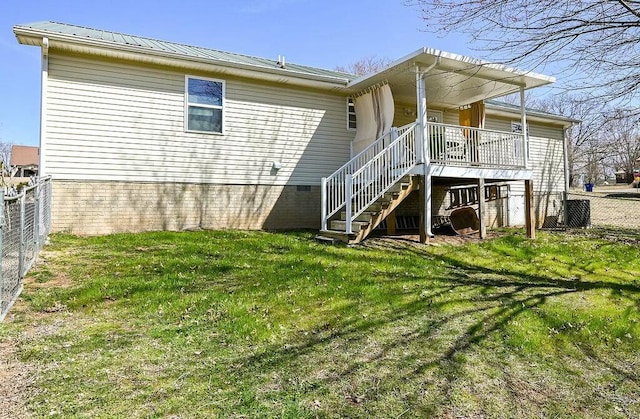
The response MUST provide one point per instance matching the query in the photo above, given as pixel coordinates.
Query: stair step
(341, 225)
(335, 235)
(398, 187)
(365, 216)
(327, 239)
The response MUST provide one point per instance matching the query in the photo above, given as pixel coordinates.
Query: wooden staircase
(367, 221)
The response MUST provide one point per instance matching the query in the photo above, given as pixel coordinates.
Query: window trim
(201, 105)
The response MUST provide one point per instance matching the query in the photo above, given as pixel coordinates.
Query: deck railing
(334, 189)
(454, 145)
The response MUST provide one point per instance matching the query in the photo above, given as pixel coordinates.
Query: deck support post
(391, 223)
(481, 209)
(425, 208)
(530, 223)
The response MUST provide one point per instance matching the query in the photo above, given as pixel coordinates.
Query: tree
(366, 65)
(586, 148)
(624, 143)
(5, 155)
(595, 42)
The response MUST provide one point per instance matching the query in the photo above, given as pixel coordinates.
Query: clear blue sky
(322, 33)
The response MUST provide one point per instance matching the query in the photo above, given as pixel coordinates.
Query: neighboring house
(141, 134)
(24, 161)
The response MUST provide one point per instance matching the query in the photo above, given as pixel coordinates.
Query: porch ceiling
(455, 80)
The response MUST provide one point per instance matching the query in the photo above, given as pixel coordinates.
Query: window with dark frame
(351, 114)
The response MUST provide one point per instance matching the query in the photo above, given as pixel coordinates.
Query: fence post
(36, 218)
(22, 244)
(2, 290)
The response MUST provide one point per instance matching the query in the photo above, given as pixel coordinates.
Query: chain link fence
(24, 227)
(612, 207)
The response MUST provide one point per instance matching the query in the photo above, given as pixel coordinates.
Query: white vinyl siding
(111, 121)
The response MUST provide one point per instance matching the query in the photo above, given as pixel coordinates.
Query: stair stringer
(381, 215)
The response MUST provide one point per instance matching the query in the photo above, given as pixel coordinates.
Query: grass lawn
(253, 324)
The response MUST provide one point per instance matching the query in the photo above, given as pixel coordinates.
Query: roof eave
(566, 122)
(29, 36)
(427, 56)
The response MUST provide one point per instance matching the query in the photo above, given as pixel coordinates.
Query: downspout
(424, 158)
(43, 106)
(566, 175)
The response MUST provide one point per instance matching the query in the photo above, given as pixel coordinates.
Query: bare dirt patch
(15, 379)
(413, 239)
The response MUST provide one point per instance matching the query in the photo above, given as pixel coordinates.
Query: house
(141, 134)
(24, 161)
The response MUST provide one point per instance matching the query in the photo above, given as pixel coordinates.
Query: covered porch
(444, 94)
(438, 103)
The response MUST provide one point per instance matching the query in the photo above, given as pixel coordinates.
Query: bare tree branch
(594, 43)
(366, 65)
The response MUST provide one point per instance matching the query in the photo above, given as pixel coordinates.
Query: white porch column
(523, 123)
(424, 157)
(421, 113)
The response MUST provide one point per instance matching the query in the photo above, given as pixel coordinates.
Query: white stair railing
(334, 187)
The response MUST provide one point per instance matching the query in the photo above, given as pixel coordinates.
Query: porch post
(523, 124)
(423, 149)
(530, 223)
(421, 110)
(481, 209)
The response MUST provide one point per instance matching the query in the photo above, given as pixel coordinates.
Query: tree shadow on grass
(424, 339)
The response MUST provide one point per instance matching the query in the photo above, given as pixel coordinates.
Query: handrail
(361, 156)
(334, 185)
(379, 174)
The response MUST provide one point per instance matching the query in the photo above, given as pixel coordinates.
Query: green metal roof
(187, 51)
(530, 111)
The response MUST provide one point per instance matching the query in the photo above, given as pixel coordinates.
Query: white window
(516, 127)
(434, 116)
(204, 101)
(351, 114)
